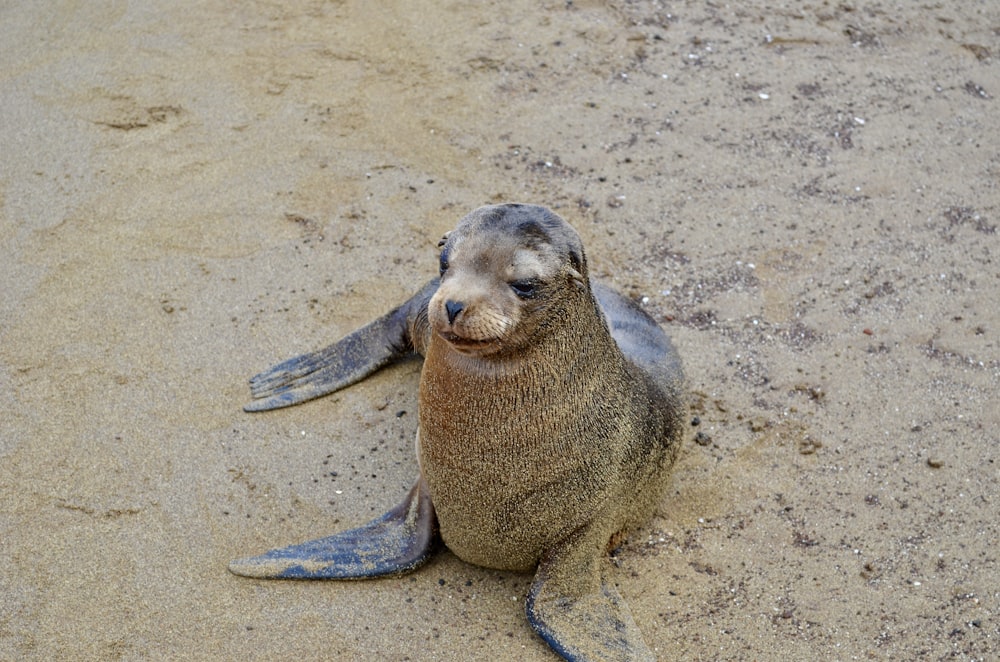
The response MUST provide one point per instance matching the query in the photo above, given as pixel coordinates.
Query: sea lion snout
(470, 322)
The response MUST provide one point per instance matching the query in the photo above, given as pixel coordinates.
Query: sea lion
(550, 414)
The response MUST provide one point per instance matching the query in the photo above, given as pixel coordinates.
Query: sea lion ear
(577, 278)
(578, 267)
(444, 239)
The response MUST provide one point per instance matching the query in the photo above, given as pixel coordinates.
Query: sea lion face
(506, 271)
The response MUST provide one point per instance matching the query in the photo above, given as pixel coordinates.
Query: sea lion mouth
(466, 345)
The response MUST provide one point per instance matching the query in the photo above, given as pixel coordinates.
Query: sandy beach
(806, 197)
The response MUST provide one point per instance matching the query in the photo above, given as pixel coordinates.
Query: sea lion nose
(453, 308)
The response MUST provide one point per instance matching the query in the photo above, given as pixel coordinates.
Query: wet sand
(806, 198)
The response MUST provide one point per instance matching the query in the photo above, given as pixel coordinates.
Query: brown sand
(806, 197)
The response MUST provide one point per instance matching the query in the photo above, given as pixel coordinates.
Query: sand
(805, 195)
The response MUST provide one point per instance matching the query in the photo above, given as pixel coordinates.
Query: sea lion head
(509, 273)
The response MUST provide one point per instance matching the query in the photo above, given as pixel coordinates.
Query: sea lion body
(550, 415)
(554, 429)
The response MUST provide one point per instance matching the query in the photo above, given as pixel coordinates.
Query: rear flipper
(400, 541)
(579, 614)
(345, 362)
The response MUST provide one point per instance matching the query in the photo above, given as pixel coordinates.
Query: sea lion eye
(526, 289)
(443, 265)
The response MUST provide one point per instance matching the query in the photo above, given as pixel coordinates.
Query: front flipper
(394, 544)
(345, 362)
(578, 613)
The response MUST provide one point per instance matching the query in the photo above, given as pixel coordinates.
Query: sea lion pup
(550, 414)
